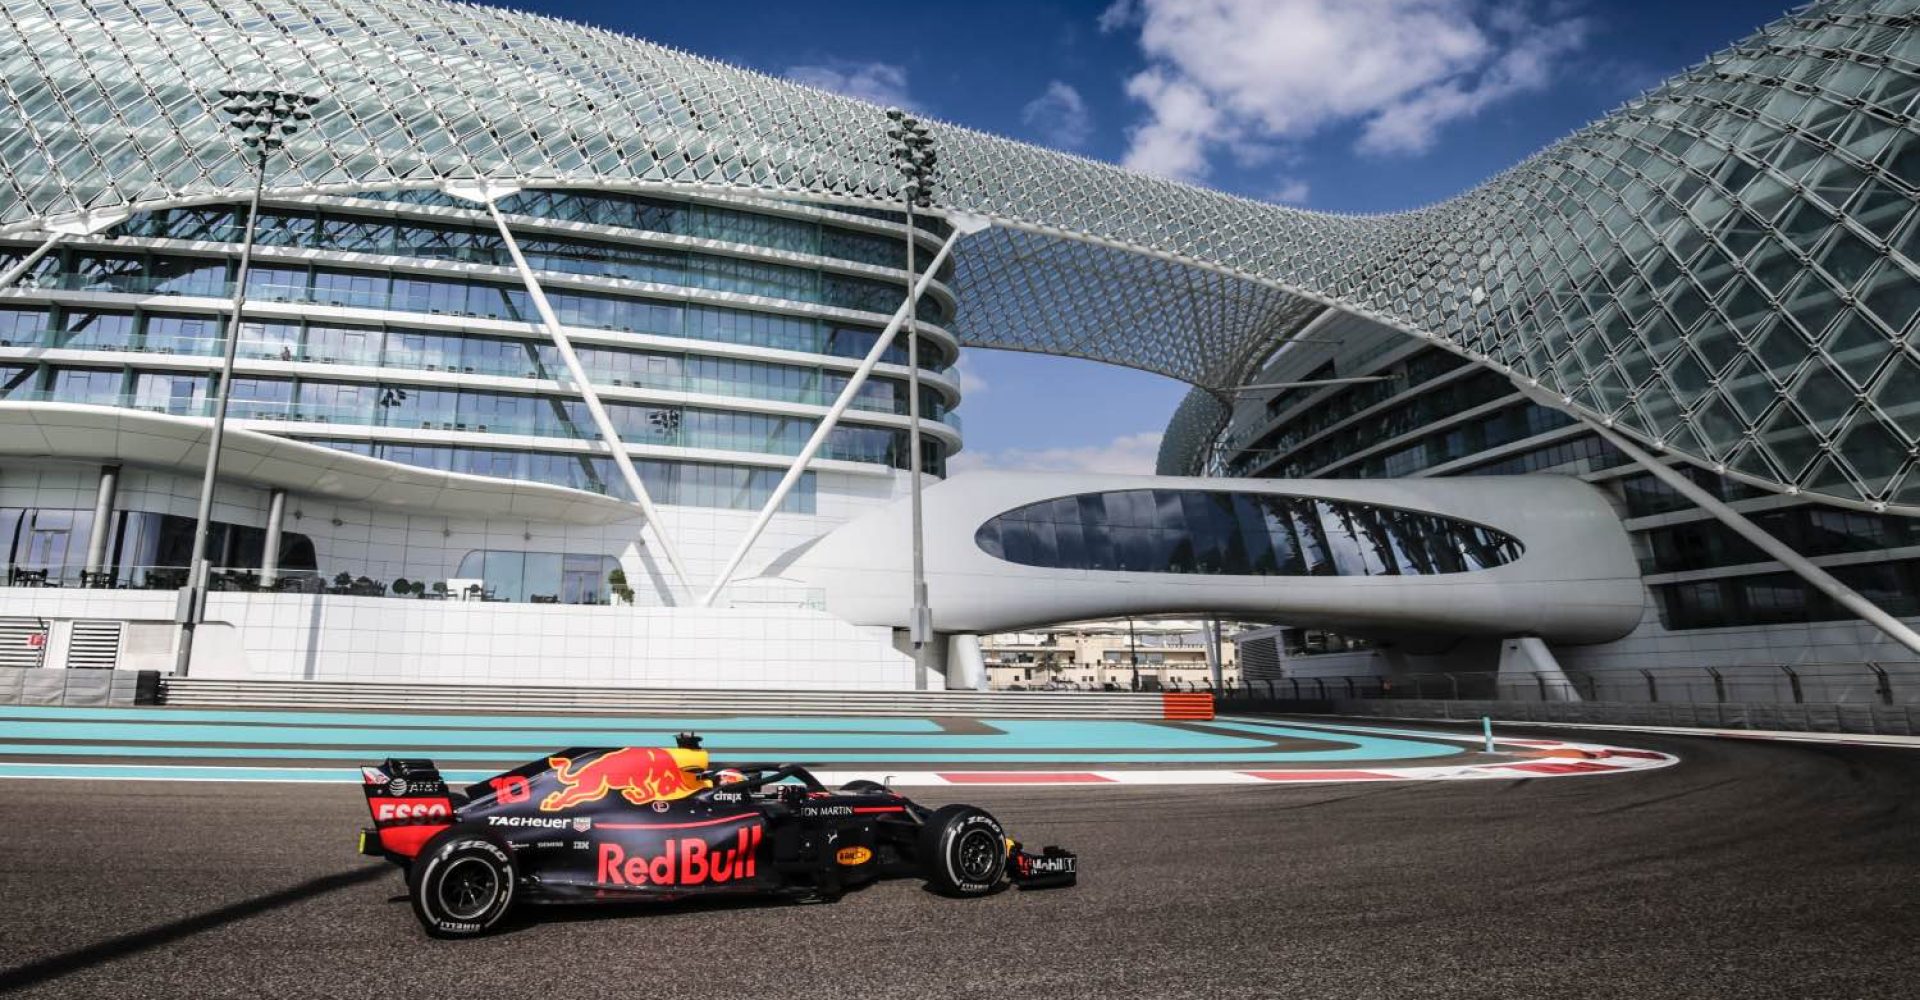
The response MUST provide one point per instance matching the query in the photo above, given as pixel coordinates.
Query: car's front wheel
(461, 885)
(964, 851)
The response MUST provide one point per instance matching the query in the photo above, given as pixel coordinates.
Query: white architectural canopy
(1722, 268)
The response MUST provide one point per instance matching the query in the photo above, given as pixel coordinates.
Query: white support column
(1528, 669)
(26, 264)
(486, 195)
(270, 552)
(102, 517)
(966, 663)
(1822, 580)
(963, 225)
(84, 224)
(1216, 658)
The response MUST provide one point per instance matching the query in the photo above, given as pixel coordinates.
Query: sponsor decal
(639, 774)
(582, 824)
(397, 786)
(851, 856)
(582, 845)
(537, 822)
(682, 861)
(660, 806)
(826, 810)
(415, 810)
(372, 776)
(1049, 865)
(549, 843)
(726, 796)
(510, 789)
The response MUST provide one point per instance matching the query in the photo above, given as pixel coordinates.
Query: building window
(1239, 534)
(541, 577)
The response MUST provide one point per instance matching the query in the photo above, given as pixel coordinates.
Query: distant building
(1171, 654)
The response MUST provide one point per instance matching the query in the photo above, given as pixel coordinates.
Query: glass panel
(1217, 532)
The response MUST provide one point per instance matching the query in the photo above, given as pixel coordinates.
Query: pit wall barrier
(370, 696)
(88, 688)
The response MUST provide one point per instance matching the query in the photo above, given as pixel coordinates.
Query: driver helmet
(728, 776)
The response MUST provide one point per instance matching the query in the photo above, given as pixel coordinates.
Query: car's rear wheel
(461, 884)
(964, 851)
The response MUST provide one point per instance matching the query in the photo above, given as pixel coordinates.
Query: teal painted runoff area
(49, 741)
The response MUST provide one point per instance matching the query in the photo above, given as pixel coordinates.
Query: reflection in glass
(1216, 532)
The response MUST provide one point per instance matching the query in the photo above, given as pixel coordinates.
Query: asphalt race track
(1749, 870)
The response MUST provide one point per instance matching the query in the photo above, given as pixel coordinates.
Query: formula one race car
(657, 824)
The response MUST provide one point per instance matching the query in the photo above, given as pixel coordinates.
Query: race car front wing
(1052, 868)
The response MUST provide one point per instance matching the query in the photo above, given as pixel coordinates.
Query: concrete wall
(325, 637)
(88, 688)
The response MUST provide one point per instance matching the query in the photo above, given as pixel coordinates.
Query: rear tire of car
(864, 787)
(461, 884)
(963, 851)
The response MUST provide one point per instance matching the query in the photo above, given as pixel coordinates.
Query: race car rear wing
(409, 803)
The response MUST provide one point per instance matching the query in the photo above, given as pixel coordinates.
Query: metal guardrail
(1884, 683)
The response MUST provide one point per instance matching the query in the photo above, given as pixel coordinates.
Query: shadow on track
(55, 966)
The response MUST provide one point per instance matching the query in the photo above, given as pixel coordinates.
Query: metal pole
(621, 459)
(193, 600)
(920, 617)
(962, 226)
(1822, 580)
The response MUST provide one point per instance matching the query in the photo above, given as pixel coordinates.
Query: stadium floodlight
(914, 157)
(263, 119)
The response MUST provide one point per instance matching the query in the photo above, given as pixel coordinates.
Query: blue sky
(1334, 105)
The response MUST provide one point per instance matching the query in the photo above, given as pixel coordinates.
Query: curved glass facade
(1239, 534)
(437, 359)
(1724, 267)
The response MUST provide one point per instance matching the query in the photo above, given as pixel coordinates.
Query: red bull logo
(682, 861)
(639, 774)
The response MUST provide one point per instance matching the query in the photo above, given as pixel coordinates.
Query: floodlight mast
(263, 118)
(913, 156)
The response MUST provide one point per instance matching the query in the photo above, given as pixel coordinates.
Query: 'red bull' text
(683, 861)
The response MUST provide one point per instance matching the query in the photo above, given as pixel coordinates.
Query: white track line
(1555, 759)
(1783, 735)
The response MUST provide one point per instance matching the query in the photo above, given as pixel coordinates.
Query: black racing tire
(461, 884)
(963, 851)
(863, 786)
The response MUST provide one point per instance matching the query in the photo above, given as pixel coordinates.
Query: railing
(259, 349)
(249, 580)
(374, 413)
(1883, 682)
(456, 301)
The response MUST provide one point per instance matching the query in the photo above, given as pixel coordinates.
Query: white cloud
(876, 82)
(1060, 116)
(1119, 14)
(972, 383)
(1131, 454)
(1226, 74)
(1290, 191)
